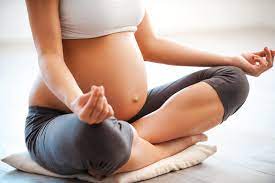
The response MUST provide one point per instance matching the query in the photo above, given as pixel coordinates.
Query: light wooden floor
(246, 141)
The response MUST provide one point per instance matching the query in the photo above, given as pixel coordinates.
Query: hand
(92, 107)
(255, 63)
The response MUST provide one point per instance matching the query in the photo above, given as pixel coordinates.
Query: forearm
(166, 51)
(58, 78)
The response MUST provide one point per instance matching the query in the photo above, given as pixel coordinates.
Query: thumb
(249, 57)
(84, 98)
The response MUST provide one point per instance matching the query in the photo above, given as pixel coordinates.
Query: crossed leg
(176, 113)
(191, 111)
(191, 105)
(173, 118)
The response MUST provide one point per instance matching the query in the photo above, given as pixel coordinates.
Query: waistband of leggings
(45, 110)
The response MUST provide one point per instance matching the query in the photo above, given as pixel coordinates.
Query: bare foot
(164, 149)
(174, 146)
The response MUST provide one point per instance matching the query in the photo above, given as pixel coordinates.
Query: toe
(199, 138)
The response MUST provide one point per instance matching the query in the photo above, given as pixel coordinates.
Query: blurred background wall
(168, 16)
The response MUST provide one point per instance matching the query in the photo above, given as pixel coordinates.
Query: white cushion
(189, 157)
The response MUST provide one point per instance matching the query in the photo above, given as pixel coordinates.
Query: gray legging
(60, 142)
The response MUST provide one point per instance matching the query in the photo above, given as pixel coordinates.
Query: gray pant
(60, 142)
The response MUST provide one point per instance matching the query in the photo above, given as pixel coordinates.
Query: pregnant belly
(113, 61)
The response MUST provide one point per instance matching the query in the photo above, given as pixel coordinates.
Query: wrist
(69, 101)
(233, 61)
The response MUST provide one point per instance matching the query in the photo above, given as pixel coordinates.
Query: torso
(113, 61)
(99, 48)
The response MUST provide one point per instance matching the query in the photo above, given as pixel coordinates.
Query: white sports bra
(81, 19)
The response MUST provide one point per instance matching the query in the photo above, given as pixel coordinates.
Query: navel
(135, 99)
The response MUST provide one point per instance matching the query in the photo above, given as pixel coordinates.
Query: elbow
(148, 55)
(148, 48)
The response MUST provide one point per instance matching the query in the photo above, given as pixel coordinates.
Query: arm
(91, 107)
(45, 26)
(162, 50)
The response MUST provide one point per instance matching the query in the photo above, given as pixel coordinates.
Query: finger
(273, 52)
(98, 112)
(260, 53)
(95, 98)
(89, 107)
(273, 55)
(90, 103)
(250, 57)
(84, 98)
(261, 67)
(247, 55)
(111, 111)
(262, 61)
(268, 54)
(198, 138)
(99, 106)
(103, 89)
(105, 111)
(86, 110)
(253, 59)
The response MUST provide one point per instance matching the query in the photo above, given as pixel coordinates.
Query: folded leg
(65, 145)
(191, 104)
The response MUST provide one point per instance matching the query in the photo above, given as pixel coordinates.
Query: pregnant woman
(90, 109)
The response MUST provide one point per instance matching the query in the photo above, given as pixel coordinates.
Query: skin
(77, 76)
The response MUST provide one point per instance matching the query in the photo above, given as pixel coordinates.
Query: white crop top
(81, 19)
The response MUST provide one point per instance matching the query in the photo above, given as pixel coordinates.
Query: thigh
(229, 82)
(158, 95)
(66, 145)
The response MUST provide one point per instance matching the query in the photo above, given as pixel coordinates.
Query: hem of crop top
(99, 34)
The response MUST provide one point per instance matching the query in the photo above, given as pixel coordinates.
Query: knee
(238, 83)
(233, 88)
(105, 146)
